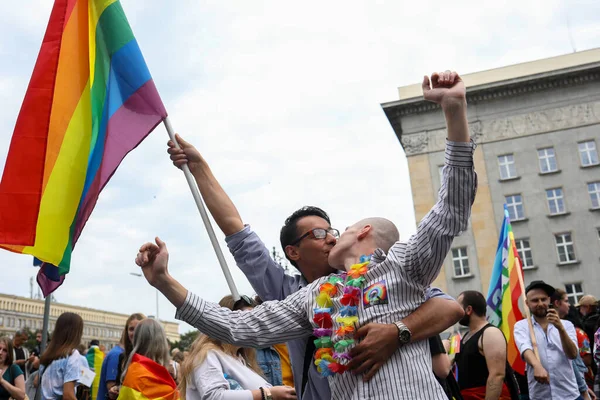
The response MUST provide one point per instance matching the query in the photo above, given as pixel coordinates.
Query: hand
(379, 343)
(541, 375)
(283, 393)
(113, 392)
(185, 154)
(591, 394)
(553, 318)
(31, 358)
(445, 88)
(154, 259)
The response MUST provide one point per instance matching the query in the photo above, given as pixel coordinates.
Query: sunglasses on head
(243, 301)
(318, 233)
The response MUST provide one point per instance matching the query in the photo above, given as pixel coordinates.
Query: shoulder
(492, 335)
(15, 370)
(568, 324)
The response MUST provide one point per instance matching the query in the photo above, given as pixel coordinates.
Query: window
(547, 160)
(594, 191)
(564, 247)
(514, 204)
(507, 167)
(556, 202)
(460, 259)
(524, 250)
(588, 153)
(574, 292)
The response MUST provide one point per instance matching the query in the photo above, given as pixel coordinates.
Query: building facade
(537, 126)
(21, 312)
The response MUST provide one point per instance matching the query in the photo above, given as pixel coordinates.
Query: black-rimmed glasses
(318, 233)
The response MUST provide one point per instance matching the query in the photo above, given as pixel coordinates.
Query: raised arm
(424, 254)
(218, 203)
(270, 323)
(267, 277)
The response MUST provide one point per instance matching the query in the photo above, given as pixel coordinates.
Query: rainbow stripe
(504, 292)
(146, 379)
(90, 101)
(95, 357)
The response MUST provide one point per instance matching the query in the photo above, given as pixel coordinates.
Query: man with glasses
(306, 239)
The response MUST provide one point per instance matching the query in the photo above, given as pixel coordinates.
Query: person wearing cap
(551, 376)
(587, 305)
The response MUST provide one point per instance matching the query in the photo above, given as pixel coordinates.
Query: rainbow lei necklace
(332, 354)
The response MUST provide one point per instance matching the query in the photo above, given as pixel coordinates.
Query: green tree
(185, 341)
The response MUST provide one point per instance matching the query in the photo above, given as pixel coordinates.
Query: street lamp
(139, 276)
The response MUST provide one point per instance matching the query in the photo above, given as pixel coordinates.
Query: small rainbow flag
(95, 357)
(146, 379)
(453, 350)
(90, 101)
(504, 292)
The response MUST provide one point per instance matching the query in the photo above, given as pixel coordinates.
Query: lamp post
(139, 276)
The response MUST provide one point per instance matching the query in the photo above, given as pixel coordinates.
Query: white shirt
(563, 385)
(209, 383)
(401, 279)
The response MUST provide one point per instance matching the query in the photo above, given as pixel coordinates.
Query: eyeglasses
(318, 233)
(243, 301)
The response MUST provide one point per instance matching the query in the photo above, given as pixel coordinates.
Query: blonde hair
(149, 341)
(203, 344)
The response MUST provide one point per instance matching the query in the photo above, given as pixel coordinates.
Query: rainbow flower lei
(332, 351)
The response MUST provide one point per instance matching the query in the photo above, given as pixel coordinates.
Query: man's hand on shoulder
(379, 342)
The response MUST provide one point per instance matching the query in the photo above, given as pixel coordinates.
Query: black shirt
(19, 353)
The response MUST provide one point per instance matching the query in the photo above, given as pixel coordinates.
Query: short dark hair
(289, 231)
(476, 300)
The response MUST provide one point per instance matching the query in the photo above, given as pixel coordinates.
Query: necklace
(332, 354)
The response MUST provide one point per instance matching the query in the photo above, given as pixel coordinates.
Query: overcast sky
(283, 99)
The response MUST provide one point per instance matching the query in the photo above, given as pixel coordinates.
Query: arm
(494, 351)
(523, 341)
(16, 391)
(568, 339)
(439, 359)
(267, 278)
(270, 323)
(69, 391)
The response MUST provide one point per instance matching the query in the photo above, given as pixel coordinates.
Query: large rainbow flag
(505, 291)
(90, 101)
(146, 379)
(95, 357)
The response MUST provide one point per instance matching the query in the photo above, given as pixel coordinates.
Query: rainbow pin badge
(375, 294)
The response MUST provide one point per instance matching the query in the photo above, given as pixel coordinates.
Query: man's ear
(292, 252)
(469, 310)
(363, 232)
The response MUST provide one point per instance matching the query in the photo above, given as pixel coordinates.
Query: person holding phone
(551, 376)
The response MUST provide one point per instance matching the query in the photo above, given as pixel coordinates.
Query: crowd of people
(359, 321)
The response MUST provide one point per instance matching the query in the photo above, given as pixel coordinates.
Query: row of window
(100, 332)
(565, 251)
(588, 156)
(555, 199)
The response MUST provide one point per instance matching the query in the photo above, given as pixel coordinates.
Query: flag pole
(527, 313)
(211, 233)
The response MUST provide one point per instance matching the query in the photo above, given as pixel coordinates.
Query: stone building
(21, 312)
(537, 126)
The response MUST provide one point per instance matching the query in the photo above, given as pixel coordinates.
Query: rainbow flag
(90, 101)
(454, 350)
(505, 291)
(146, 379)
(95, 357)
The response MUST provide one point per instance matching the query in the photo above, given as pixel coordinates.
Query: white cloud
(283, 100)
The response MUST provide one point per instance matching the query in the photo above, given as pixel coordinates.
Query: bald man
(378, 267)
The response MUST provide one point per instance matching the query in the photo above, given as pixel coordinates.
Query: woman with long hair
(12, 381)
(61, 363)
(216, 370)
(145, 373)
(115, 370)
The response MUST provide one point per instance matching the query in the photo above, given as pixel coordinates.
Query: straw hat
(587, 300)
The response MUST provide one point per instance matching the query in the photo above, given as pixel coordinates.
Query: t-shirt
(286, 365)
(19, 353)
(110, 368)
(9, 376)
(583, 342)
(59, 371)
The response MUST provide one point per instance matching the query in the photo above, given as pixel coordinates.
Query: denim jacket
(269, 362)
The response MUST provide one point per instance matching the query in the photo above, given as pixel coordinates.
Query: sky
(283, 100)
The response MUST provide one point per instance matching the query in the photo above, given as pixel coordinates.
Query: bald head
(384, 232)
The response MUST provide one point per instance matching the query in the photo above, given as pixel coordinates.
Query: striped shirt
(405, 273)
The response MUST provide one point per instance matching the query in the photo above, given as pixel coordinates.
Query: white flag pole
(211, 233)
